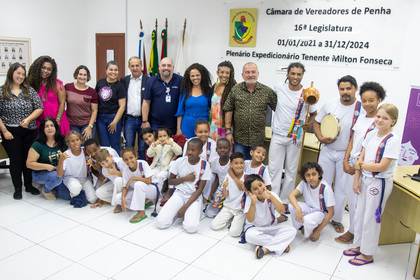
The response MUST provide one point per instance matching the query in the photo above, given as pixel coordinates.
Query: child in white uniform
(316, 212)
(219, 168)
(112, 168)
(233, 208)
(104, 190)
(189, 174)
(373, 182)
(162, 151)
(371, 94)
(137, 185)
(72, 165)
(261, 227)
(256, 165)
(202, 131)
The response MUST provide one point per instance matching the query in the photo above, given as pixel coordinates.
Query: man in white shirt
(346, 109)
(285, 146)
(135, 85)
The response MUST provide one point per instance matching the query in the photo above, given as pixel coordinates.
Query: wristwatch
(91, 126)
(144, 121)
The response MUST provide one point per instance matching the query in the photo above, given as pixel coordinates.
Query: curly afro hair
(373, 86)
(205, 83)
(34, 74)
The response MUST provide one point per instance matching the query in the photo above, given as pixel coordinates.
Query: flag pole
(183, 33)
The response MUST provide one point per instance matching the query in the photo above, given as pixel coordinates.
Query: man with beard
(346, 109)
(288, 128)
(247, 105)
(161, 97)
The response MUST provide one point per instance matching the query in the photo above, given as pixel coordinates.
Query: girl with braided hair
(42, 76)
(225, 82)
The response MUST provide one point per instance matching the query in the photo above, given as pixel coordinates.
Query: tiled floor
(42, 239)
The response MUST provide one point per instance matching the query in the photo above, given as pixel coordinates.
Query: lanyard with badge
(168, 90)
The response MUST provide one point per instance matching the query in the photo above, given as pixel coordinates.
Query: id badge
(168, 99)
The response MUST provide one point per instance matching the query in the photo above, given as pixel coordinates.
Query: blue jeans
(81, 128)
(245, 150)
(105, 137)
(51, 182)
(131, 127)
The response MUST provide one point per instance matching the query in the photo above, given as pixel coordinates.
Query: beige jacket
(168, 153)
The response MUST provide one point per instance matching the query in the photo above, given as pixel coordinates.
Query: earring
(227, 82)
(217, 80)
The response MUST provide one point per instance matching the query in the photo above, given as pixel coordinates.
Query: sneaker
(48, 196)
(17, 195)
(32, 190)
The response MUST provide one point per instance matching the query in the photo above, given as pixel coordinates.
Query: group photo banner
(359, 34)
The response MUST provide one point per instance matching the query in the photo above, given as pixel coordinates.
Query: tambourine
(330, 126)
(311, 95)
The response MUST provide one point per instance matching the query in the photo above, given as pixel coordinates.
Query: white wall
(66, 31)
(208, 22)
(53, 29)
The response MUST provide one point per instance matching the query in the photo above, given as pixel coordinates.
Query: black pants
(17, 149)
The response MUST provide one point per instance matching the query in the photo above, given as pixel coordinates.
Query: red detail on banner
(242, 43)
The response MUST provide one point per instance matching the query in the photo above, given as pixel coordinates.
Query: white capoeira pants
(168, 213)
(283, 153)
(136, 196)
(275, 238)
(208, 186)
(118, 186)
(366, 229)
(109, 190)
(159, 176)
(75, 186)
(212, 212)
(225, 216)
(351, 196)
(311, 218)
(331, 162)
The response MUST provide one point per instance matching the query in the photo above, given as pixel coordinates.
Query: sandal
(351, 253)
(351, 261)
(259, 252)
(282, 218)
(339, 228)
(163, 202)
(136, 217)
(344, 240)
(148, 204)
(287, 250)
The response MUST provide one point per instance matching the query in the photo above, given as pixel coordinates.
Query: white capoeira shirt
(287, 103)
(345, 115)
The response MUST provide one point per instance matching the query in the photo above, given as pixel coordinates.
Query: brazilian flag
(154, 60)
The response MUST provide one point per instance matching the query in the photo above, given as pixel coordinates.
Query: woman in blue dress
(195, 100)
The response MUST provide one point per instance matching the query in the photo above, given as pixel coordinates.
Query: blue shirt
(161, 111)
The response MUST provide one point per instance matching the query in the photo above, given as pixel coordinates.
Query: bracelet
(228, 133)
(346, 158)
(360, 164)
(91, 126)
(144, 121)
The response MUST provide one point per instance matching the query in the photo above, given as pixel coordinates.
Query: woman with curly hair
(42, 76)
(225, 82)
(43, 159)
(195, 100)
(19, 107)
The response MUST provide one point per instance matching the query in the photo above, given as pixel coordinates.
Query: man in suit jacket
(135, 85)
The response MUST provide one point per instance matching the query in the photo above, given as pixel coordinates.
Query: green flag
(154, 61)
